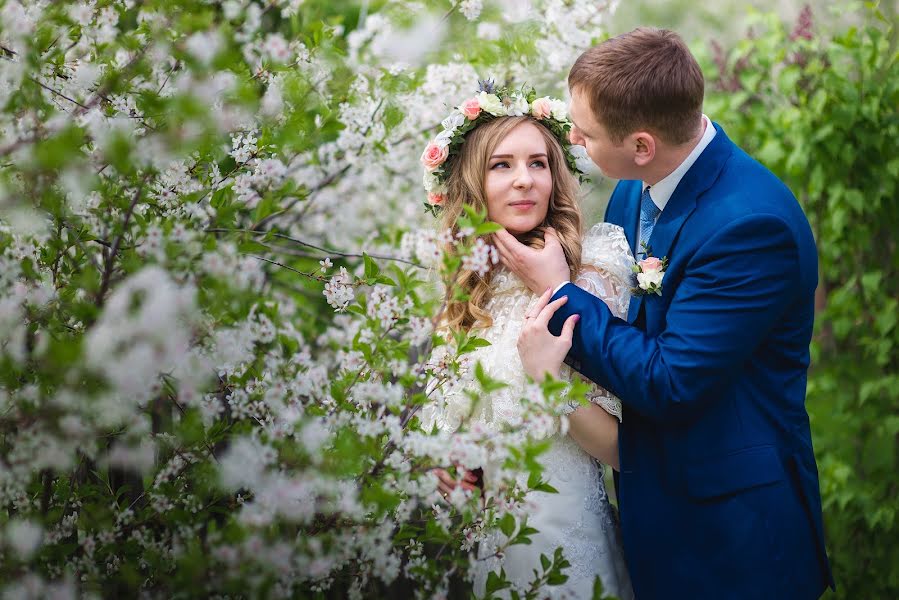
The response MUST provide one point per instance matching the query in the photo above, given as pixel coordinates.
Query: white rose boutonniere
(650, 272)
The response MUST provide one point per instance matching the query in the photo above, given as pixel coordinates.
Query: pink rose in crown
(650, 263)
(541, 108)
(471, 108)
(436, 199)
(434, 156)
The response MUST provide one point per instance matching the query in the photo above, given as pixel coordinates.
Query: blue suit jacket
(718, 485)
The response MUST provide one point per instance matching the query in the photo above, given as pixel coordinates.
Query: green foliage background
(823, 114)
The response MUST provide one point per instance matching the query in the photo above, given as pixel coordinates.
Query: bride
(508, 153)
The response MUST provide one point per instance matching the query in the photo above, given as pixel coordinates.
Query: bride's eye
(539, 163)
(501, 163)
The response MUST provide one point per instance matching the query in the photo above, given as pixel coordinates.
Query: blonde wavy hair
(465, 185)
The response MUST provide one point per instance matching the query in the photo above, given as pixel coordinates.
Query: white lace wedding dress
(579, 518)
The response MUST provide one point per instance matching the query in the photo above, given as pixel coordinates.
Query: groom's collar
(661, 192)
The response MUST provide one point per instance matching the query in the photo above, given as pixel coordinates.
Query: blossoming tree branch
(220, 294)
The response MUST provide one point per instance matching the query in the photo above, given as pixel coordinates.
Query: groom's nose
(575, 137)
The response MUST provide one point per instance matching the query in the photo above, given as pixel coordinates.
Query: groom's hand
(538, 269)
(541, 352)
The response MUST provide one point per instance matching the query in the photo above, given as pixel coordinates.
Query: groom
(718, 484)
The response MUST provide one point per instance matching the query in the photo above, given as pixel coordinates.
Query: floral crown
(489, 103)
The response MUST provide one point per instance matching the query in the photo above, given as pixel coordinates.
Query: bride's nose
(523, 179)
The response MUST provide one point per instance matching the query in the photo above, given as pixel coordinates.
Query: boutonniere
(650, 272)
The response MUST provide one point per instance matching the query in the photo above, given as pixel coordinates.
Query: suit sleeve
(733, 291)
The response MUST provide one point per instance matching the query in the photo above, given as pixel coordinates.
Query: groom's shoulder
(747, 189)
(743, 173)
(746, 185)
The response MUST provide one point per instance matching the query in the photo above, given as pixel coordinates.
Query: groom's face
(614, 159)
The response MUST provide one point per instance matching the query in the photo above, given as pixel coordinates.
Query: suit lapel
(631, 223)
(695, 182)
(632, 218)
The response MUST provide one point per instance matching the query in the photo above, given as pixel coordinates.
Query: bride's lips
(523, 204)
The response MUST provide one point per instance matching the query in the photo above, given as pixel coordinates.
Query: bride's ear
(644, 146)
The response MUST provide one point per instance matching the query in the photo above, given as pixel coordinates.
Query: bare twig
(111, 254)
(314, 247)
(328, 181)
(81, 246)
(13, 146)
(99, 96)
(321, 185)
(168, 75)
(205, 443)
(58, 93)
(303, 273)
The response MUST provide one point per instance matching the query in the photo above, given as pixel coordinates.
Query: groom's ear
(644, 147)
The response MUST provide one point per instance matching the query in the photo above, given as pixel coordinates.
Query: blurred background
(245, 147)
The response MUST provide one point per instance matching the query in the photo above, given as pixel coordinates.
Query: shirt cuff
(559, 287)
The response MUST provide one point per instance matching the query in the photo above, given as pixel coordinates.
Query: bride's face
(519, 183)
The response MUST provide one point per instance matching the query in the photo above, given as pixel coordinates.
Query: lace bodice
(605, 273)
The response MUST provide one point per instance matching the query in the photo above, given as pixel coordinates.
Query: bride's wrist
(558, 286)
(554, 373)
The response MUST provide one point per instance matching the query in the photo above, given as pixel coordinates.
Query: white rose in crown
(559, 110)
(650, 272)
(491, 103)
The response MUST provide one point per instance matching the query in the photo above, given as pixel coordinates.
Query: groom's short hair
(644, 79)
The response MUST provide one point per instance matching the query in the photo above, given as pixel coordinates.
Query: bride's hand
(446, 483)
(541, 352)
(538, 269)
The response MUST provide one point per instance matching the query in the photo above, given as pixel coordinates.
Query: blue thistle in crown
(486, 85)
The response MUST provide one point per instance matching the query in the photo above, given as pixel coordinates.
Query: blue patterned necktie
(648, 213)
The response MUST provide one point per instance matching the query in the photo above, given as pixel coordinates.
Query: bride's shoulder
(605, 237)
(606, 247)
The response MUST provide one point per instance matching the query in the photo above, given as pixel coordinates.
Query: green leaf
(372, 270)
(545, 562)
(507, 525)
(487, 384)
(471, 344)
(487, 228)
(496, 582)
(599, 592)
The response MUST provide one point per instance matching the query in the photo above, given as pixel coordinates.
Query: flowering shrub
(817, 105)
(199, 396)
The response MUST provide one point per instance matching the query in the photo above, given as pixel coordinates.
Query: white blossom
(204, 46)
(481, 258)
(23, 537)
(471, 8)
(339, 291)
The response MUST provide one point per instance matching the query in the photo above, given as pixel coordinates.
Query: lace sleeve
(606, 287)
(606, 274)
